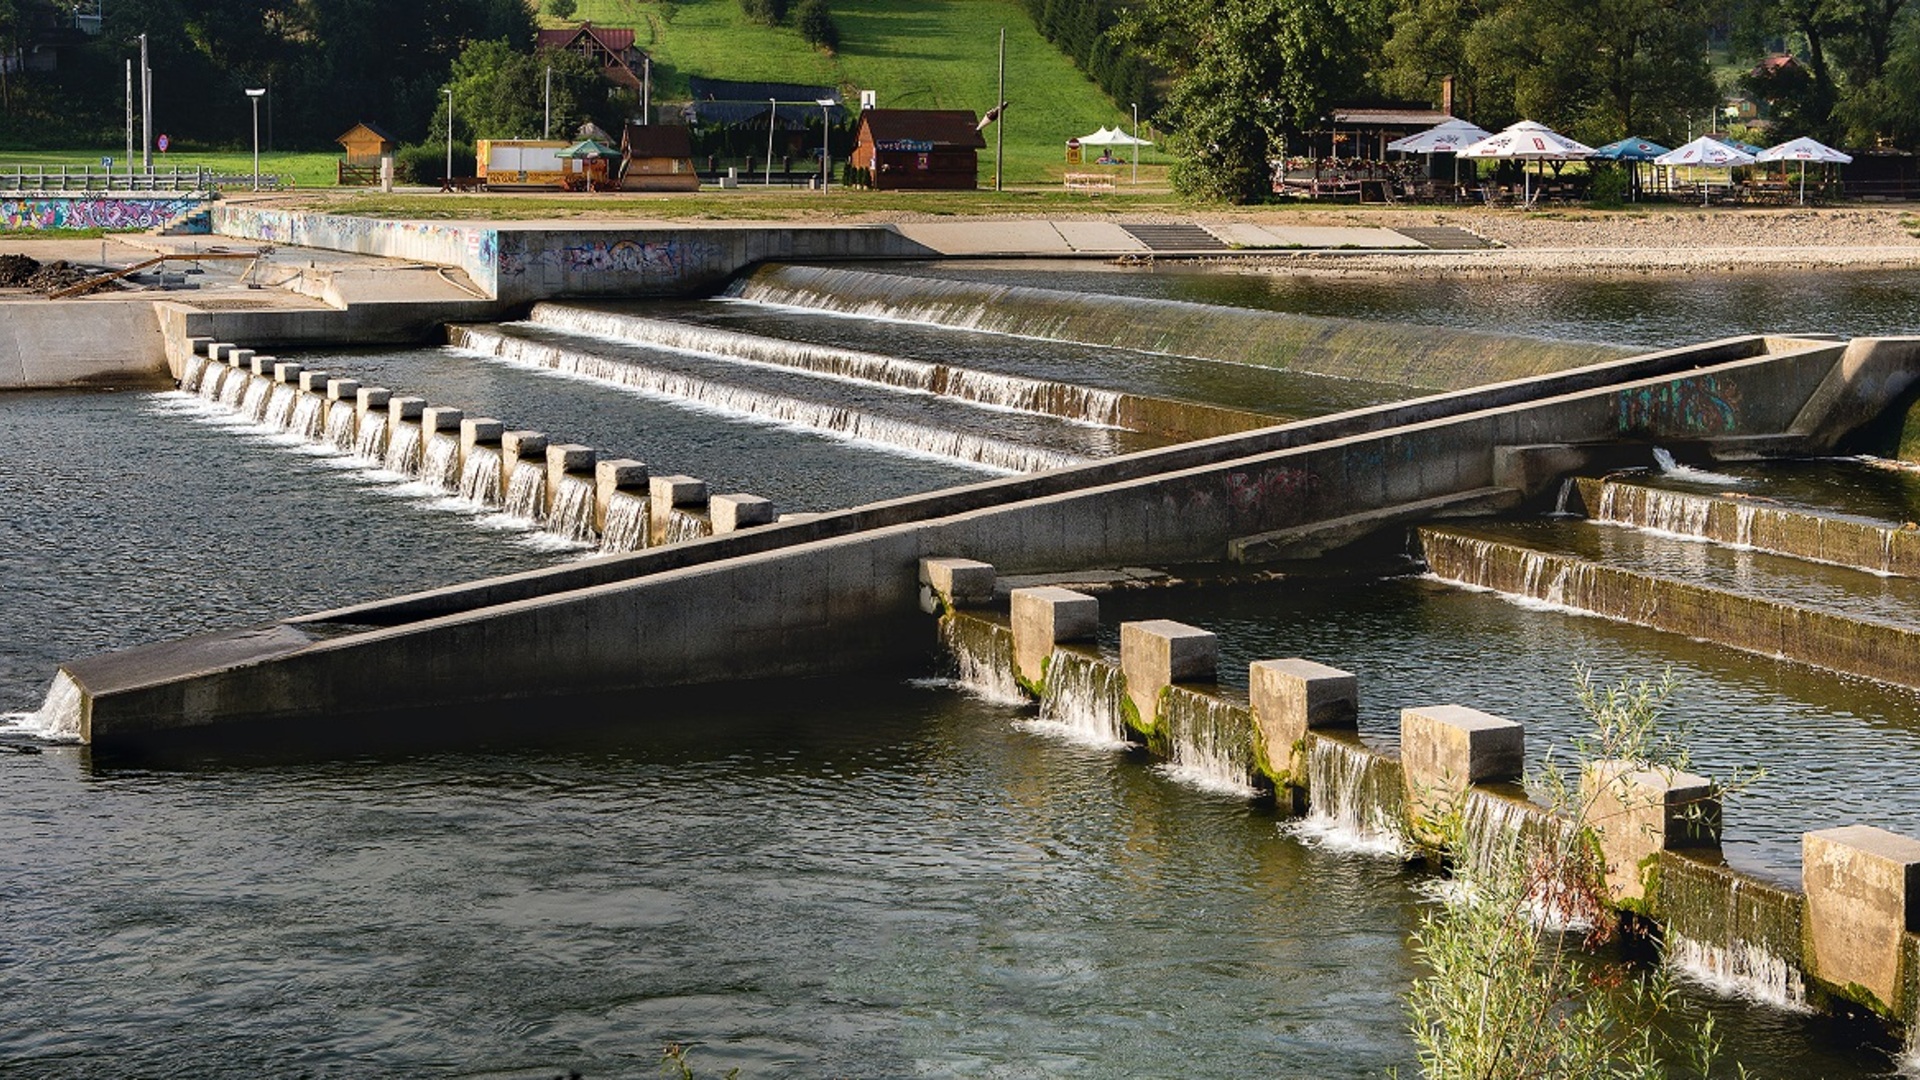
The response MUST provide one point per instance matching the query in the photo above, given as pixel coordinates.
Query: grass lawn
(300, 170)
(914, 54)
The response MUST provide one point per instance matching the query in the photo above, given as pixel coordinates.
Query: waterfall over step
(1083, 698)
(1209, 741)
(1424, 357)
(339, 432)
(440, 462)
(571, 515)
(1355, 800)
(527, 491)
(982, 654)
(58, 718)
(307, 417)
(480, 477)
(628, 517)
(852, 420)
(371, 443)
(403, 449)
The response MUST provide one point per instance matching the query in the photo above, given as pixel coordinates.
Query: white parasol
(1528, 141)
(1803, 150)
(1709, 152)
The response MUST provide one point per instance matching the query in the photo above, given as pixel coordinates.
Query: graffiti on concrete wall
(1252, 494)
(96, 212)
(667, 258)
(474, 250)
(1696, 405)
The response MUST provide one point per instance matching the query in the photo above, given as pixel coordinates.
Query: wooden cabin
(612, 49)
(657, 157)
(919, 149)
(365, 144)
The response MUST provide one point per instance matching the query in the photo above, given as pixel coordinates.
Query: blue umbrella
(1631, 148)
(1743, 147)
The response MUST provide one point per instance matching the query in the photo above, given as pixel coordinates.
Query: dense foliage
(1087, 32)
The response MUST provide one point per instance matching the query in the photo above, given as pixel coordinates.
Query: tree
(815, 23)
(500, 92)
(561, 9)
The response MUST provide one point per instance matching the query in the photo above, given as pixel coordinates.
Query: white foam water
(1741, 970)
(58, 718)
(1664, 461)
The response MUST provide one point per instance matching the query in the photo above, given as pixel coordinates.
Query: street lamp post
(1136, 144)
(773, 114)
(255, 95)
(826, 147)
(546, 126)
(449, 177)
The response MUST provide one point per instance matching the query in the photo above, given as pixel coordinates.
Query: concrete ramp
(841, 593)
(54, 343)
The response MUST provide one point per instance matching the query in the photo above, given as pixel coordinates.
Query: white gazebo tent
(1803, 150)
(1709, 152)
(1528, 141)
(1116, 137)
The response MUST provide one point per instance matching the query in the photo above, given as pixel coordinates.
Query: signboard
(106, 163)
(908, 146)
(162, 143)
(1073, 151)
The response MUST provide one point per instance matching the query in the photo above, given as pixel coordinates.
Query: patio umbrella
(1633, 150)
(1803, 150)
(1528, 141)
(588, 148)
(1445, 138)
(1709, 152)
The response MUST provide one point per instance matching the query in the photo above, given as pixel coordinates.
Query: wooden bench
(1089, 181)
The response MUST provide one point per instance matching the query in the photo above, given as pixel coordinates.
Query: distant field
(299, 170)
(915, 54)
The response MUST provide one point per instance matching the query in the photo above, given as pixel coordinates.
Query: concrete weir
(840, 592)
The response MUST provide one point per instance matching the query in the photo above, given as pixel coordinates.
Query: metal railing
(99, 178)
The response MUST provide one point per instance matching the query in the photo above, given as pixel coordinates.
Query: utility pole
(1000, 129)
(646, 91)
(449, 176)
(773, 116)
(1136, 144)
(129, 123)
(546, 127)
(146, 109)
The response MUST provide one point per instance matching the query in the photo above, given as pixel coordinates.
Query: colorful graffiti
(1696, 405)
(668, 258)
(1249, 494)
(127, 215)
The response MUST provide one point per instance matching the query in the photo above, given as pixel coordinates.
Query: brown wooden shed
(919, 149)
(657, 157)
(365, 144)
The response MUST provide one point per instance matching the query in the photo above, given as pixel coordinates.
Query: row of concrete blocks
(665, 494)
(1861, 883)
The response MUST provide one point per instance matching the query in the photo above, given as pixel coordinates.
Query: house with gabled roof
(611, 48)
(926, 149)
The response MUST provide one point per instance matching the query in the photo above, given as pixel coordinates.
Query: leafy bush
(561, 9)
(770, 12)
(1609, 186)
(426, 163)
(816, 26)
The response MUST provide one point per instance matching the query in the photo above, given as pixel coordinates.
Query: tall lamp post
(256, 95)
(1136, 144)
(449, 177)
(773, 114)
(826, 151)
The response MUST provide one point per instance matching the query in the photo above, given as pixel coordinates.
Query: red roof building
(901, 149)
(611, 48)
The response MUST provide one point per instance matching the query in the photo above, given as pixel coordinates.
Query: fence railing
(101, 178)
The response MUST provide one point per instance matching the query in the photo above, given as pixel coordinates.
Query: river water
(879, 879)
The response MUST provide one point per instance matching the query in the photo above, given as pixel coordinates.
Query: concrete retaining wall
(55, 343)
(121, 212)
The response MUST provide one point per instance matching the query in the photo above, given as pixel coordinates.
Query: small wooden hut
(366, 144)
(919, 149)
(657, 157)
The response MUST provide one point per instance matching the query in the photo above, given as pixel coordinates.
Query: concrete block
(1292, 696)
(439, 418)
(479, 431)
(805, 515)
(286, 371)
(1860, 883)
(564, 458)
(956, 582)
(240, 358)
(1638, 812)
(522, 444)
(736, 511)
(313, 382)
(201, 346)
(222, 352)
(1446, 748)
(405, 408)
(1155, 653)
(1045, 616)
(260, 365)
(343, 390)
(670, 491)
(370, 399)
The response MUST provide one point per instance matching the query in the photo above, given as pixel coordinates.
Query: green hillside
(914, 54)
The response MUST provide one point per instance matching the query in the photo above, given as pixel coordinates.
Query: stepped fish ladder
(995, 389)
(821, 416)
(1421, 357)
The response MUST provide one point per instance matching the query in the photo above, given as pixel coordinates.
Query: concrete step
(1444, 237)
(1316, 539)
(1174, 237)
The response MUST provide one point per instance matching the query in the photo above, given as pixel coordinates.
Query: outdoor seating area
(1441, 165)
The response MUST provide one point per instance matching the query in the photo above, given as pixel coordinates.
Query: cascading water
(235, 387)
(370, 444)
(571, 516)
(211, 381)
(1355, 801)
(440, 462)
(627, 522)
(259, 395)
(480, 476)
(822, 416)
(403, 450)
(1210, 742)
(1741, 969)
(57, 719)
(982, 655)
(192, 372)
(308, 416)
(1039, 396)
(527, 491)
(339, 432)
(279, 411)
(1083, 699)
(682, 526)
